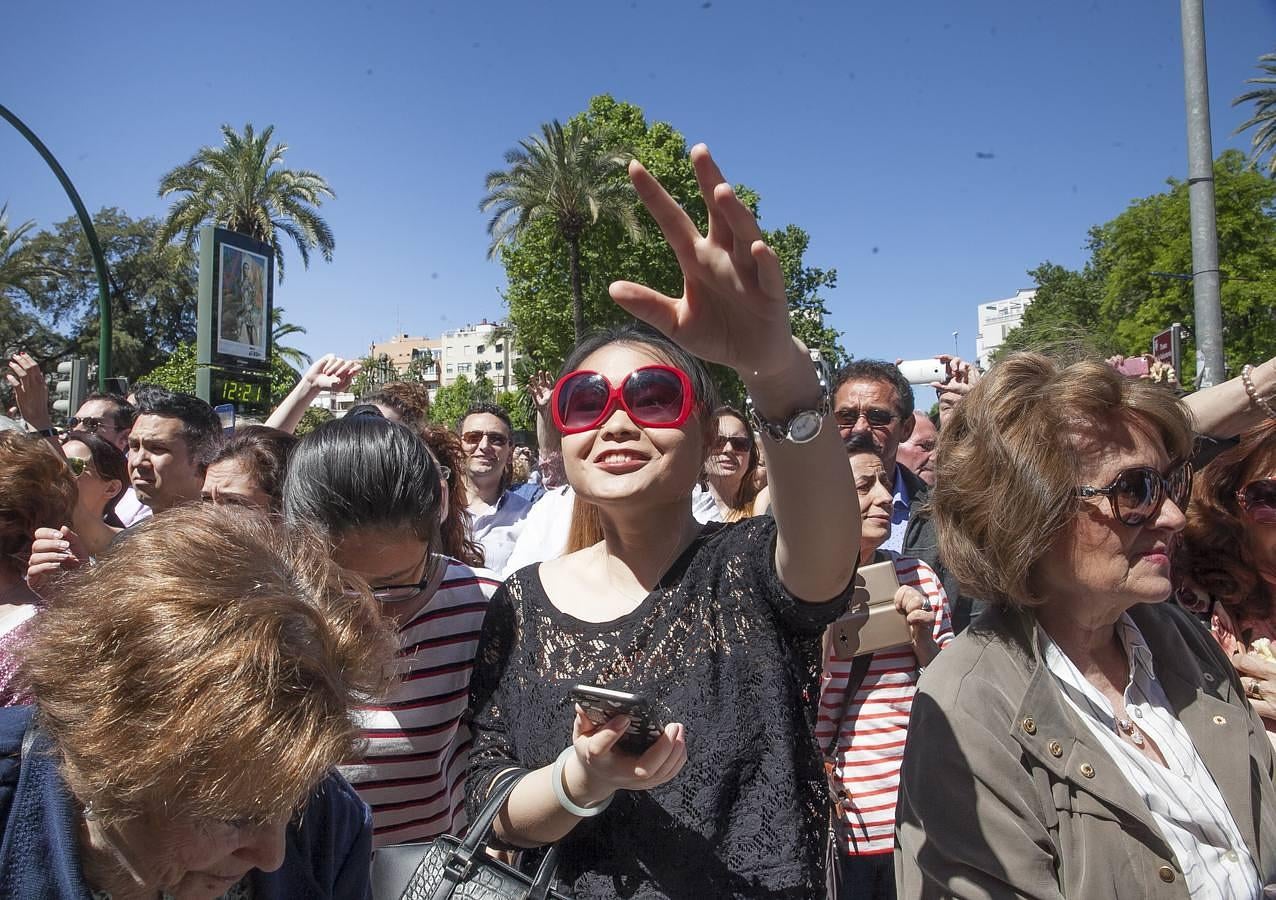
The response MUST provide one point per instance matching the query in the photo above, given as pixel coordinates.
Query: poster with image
(241, 302)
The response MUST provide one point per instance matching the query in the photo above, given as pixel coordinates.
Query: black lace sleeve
(494, 749)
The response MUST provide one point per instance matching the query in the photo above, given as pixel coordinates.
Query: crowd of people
(1019, 648)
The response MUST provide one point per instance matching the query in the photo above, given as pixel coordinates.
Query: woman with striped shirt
(863, 735)
(373, 487)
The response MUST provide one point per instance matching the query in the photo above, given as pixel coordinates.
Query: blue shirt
(900, 510)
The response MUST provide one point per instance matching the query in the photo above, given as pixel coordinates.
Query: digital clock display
(247, 391)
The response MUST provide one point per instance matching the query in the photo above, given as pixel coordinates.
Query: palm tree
(279, 329)
(567, 177)
(1264, 99)
(21, 268)
(242, 186)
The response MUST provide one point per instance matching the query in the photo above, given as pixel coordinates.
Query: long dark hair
(586, 524)
(455, 534)
(111, 465)
(363, 472)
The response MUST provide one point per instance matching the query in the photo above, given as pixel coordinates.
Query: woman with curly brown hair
(188, 716)
(1227, 560)
(455, 534)
(37, 490)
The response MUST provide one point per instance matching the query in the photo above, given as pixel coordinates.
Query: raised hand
(541, 388)
(733, 308)
(917, 611)
(30, 390)
(332, 373)
(52, 550)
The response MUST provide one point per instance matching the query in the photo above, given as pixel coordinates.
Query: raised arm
(327, 373)
(733, 311)
(1225, 410)
(31, 392)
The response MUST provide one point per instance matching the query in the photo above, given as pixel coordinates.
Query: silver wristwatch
(802, 427)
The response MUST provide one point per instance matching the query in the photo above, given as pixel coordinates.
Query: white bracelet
(560, 792)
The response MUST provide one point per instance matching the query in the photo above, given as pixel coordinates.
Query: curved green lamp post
(99, 261)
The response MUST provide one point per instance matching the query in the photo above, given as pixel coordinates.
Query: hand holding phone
(601, 705)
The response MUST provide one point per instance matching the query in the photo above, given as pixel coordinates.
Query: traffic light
(72, 386)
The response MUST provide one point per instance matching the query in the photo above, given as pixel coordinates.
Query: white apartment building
(997, 318)
(487, 346)
(337, 404)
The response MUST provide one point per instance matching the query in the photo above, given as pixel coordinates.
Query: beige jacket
(1005, 793)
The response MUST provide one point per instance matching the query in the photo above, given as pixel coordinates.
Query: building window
(482, 347)
(499, 365)
(450, 368)
(464, 367)
(500, 348)
(468, 349)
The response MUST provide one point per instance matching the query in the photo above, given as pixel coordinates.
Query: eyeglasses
(738, 442)
(397, 593)
(77, 466)
(653, 397)
(1136, 495)
(494, 438)
(1258, 499)
(91, 424)
(848, 417)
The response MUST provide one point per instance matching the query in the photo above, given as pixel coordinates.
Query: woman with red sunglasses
(1227, 560)
(716, 626)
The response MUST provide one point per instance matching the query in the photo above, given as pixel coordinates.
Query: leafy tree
(1264, 119)
(153, 290)
(568, 179)
(376, 371)
(312, 418)
(538, 274)
(280, 330)
(243, 186)
(452, 401)
(22, 272)
(1133, 286)
(177, 373)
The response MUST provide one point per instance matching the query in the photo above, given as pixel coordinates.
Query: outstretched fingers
(656, 309)
(675, 224)
(709, 178)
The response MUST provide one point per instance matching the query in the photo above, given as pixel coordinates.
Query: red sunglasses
(1258, 499)
(653, 397)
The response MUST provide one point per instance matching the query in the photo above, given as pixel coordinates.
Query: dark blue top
(329, 851)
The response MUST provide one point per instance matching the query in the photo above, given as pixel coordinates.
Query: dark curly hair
(455, 533)
(1214, 554)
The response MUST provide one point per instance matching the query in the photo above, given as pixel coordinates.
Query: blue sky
(863, 123)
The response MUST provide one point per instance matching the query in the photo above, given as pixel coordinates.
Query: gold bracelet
(1258, 401)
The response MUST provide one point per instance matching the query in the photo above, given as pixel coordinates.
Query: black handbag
(451, 868)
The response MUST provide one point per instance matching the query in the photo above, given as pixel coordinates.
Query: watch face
(805, 426)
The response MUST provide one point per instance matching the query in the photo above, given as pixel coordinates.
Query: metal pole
(1208, 328)
(95, 248)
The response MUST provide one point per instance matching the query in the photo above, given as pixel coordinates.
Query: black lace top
(720, 646)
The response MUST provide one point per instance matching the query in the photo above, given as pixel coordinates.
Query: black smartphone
(601, 705)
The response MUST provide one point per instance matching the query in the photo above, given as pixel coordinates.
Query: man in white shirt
(498, 513)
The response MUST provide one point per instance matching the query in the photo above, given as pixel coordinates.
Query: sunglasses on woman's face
(737, 442)
(1136, 495)
(77, 466)
(1258, 499)
(653, 397)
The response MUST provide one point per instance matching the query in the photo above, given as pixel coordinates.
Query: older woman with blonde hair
(1083, 738)
(193, 692)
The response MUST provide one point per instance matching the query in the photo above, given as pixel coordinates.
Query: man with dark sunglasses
(498, 514)
(873, 404)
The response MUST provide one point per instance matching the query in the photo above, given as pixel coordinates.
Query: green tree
(569, 179)
(22, 274)
(451, 402)
(153, 289)
(280, 330)
(1263, 121)
(376, 371)
(1133, 284)
(243, 186)
(538, 273)
(312, 418)
(177, 373)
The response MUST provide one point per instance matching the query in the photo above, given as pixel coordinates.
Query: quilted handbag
(451, 868)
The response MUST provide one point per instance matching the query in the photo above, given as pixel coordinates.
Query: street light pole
(1208, 327)
(95, 248)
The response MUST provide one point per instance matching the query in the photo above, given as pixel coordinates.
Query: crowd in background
(238, 663)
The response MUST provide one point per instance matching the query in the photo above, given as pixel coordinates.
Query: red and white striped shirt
(412, 774)
(871, 743)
